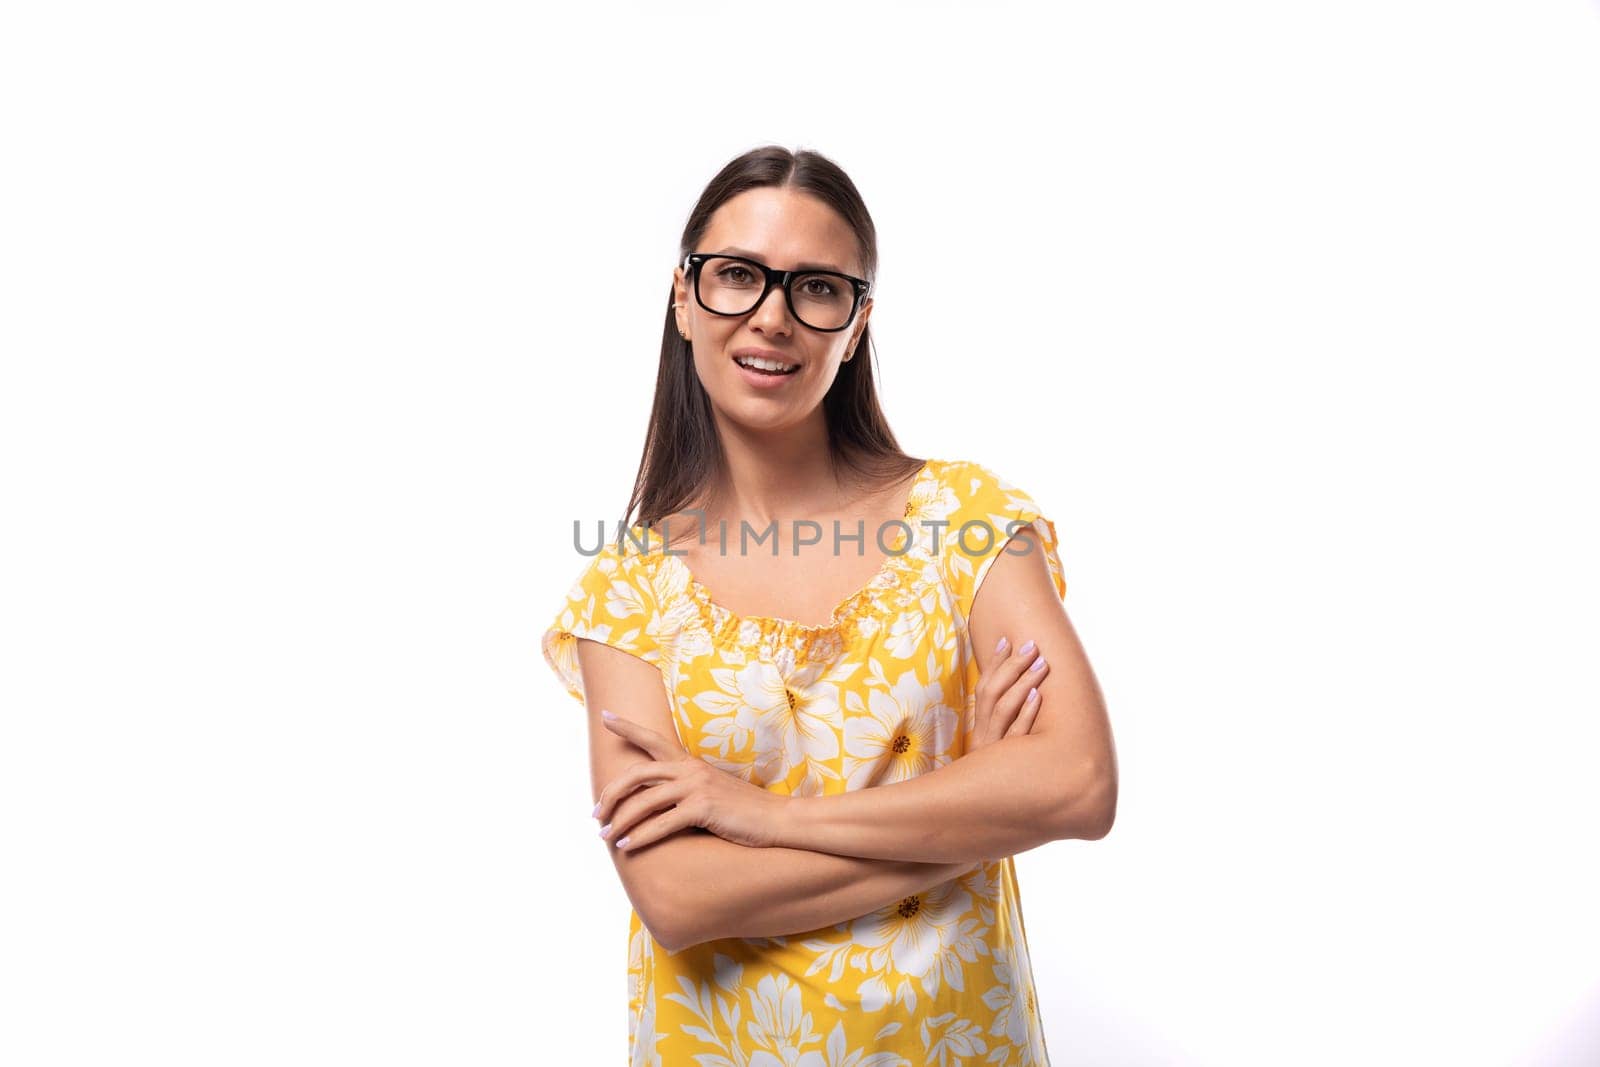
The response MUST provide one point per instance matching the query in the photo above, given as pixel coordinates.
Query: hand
(1004, 708)
(683, 791)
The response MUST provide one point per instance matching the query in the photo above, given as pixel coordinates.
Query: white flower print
(839, 1053)
(983, 883)
(906, 631)
(949, 1039)
(815, 720)
(642, 1036)
(924, 937)
(1015, 1014)
(761, 726)
(931, 502)
(780, 1027)
(907, 731)
(732, 703)
(626, 601)
(563, 651)
(678, 624)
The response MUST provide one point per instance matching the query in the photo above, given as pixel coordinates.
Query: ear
(861, 327)
(680, 295)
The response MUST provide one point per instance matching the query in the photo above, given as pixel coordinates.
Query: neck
(776, 477)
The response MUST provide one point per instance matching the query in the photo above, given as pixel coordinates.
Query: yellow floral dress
(883, 692)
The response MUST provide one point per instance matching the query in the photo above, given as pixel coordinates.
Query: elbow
(667, 890)
(673, 932)
(651, 901)
(667, 928)
(661, 932)
(1103, 818)
(1090, 811)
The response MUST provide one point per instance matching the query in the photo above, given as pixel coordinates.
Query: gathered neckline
(729, 625)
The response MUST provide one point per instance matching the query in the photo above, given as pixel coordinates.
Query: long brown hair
(681, 451)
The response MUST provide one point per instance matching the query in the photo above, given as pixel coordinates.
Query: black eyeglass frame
(784, 279)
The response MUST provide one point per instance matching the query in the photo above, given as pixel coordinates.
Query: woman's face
(783, 229)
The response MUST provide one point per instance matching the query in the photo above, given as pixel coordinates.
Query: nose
(772, 314)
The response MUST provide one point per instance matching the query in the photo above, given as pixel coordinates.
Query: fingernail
(604, 830)
(1038, 664)
(623, 843)
(1001, 647)
(607, 715)
(595, 812)
(1026, 647)
(1033, 694)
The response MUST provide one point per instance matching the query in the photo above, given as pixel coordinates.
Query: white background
(321, 322)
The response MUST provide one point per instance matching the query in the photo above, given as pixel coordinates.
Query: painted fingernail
(595, 812)
(1033, 694)
(1001, 647)
(606, 829)
(623, 843)
(1038, 664)
(607, 715)
(1026, 648)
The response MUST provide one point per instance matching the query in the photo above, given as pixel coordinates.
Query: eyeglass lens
(732, 287)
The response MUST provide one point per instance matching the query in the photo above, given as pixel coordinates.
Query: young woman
(814, 758)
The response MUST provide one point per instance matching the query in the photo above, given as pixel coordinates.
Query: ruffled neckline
(811, 641)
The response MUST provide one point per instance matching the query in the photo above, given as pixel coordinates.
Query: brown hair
(681, 450)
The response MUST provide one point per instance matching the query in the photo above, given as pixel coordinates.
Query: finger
(1024, 660)
(635, 775)
(654, 829)
(1009, 704)
(998, 656)
(1011, 666)
(642, 736)
(1037, 672)
(639, 806)
(1029, 713)
(1006, 669)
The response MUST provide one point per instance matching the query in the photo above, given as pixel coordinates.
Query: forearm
(1005, 798)
(738, 891)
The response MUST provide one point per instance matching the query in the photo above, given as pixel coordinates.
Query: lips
(764, 353)
(763, 381)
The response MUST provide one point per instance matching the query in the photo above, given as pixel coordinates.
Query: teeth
(763, 364)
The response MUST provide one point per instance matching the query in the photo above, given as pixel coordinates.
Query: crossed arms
(844, 855)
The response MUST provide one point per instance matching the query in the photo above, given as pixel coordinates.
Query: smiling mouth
(766, 366)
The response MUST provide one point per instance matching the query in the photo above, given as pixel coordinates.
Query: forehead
(783, 228)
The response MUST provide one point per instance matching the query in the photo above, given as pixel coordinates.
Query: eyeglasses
(824, 300)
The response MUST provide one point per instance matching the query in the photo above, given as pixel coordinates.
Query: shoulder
(978, 491)
(983, 512)
(619, 576)
(611, 602)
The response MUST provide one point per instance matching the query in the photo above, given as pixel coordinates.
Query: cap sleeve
(988, 514)
(611, 602)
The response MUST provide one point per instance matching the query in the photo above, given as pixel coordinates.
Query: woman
(807, 754)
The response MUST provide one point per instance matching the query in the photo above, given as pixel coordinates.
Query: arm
(773, 892)
(1007, 797)
(693, 886)
(1057, 781)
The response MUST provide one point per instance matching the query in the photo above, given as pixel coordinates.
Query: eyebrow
(730, 250)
